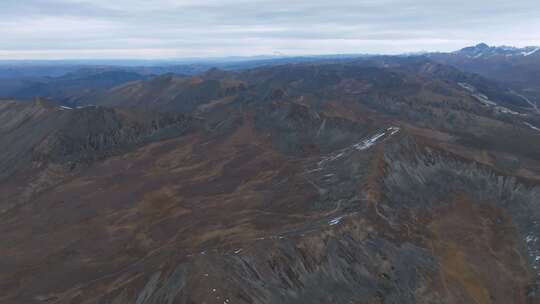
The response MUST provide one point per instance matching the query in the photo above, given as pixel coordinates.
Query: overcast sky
(164, 29)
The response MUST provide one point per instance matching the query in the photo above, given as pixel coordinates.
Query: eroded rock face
(42, 131)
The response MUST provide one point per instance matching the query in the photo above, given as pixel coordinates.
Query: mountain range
(372, 179)
(518, 68)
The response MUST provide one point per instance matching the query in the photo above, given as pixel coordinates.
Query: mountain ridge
(388, 180)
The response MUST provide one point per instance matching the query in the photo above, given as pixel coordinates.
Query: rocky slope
(363, 182)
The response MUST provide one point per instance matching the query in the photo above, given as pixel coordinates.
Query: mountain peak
(482, 50)
(482, 46)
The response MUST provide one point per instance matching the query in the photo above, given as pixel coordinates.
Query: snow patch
(335, 221)
(532, 126)
(533, 104)
(467, 87)
(393, 130)
(477, 95)
(87, 106)
(365, 144)
(530, 52)
(331, 158)
(532, 247)
(506, 111)
(478, 55)
(484, 99)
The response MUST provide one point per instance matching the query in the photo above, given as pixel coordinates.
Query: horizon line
(262, 56)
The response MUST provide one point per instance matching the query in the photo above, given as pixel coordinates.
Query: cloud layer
(146, 29)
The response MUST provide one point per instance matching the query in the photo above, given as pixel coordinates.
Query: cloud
(44, 29)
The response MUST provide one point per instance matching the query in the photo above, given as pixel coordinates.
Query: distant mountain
(67, 81)
(83, 81)
(165, 93)
(188, 93)
(518, 68)
(483, 50)
(56, 68)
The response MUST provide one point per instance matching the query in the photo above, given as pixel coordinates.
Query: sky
(169, 29)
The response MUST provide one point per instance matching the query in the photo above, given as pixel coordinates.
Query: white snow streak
(530, 53)
(532, 126)
(335, 221)
(365, 144)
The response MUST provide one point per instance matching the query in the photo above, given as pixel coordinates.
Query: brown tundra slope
(380, 182)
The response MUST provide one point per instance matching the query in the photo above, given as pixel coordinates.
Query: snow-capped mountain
(483, 50)
(518, 68)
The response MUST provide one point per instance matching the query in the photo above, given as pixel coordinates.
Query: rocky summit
(382, 179)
